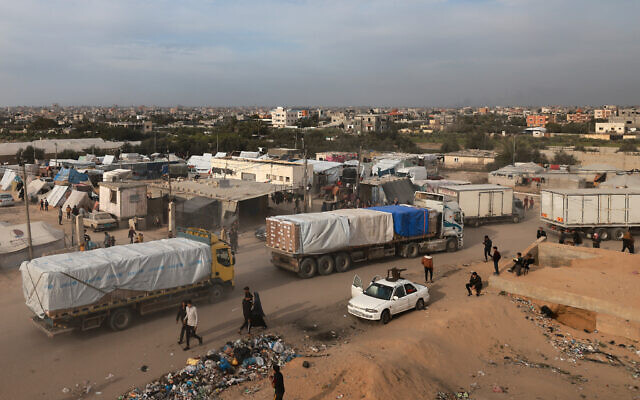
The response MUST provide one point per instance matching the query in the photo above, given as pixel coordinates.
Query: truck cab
(452, 221)
(222, 257)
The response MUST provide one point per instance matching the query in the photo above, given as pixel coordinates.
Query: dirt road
(36, 367)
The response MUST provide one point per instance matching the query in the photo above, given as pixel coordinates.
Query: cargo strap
(34, 289)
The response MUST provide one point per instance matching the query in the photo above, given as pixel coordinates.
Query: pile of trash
(204, 377)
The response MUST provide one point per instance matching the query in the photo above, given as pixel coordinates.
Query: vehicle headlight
(371, 310)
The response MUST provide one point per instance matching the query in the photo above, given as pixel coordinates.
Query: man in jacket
(496, 258)
(191, 319)
(277, 382)
(182, 313)
(487, 248)
(628, 242)
(475, 282)
(247, 305)
(427, 263)
(540, 233)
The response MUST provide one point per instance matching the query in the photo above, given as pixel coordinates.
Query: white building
(281, 118)
(610, 127)
(276, 172)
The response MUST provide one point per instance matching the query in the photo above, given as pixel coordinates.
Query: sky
(319, 53)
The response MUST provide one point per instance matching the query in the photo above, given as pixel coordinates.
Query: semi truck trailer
(85, 290)
(332, 241)
(607, 212)
(485, 203)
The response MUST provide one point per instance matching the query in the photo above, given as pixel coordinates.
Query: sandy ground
(438, 348)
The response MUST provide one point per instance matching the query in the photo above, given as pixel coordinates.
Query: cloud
(318, 52)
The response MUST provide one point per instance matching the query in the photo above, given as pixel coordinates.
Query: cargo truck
(485, 203)
(83, 290)
(321, 243)
(607, 212)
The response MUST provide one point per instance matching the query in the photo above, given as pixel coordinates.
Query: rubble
(204, 377)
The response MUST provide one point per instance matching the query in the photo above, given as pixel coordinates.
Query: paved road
(36, 367)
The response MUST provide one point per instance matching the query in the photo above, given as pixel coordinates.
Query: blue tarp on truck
(407, 221)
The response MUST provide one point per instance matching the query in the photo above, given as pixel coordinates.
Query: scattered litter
(108, 377)
(205, 377)
(498, 389)
(144, 368)
(306, 364)
(65, 390)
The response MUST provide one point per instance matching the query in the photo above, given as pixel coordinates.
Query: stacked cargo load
(408, 221)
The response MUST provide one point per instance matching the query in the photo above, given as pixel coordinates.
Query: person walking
(180, 317)
(131, 234)
(247, 305)
(68, 211)
(496, 259)
(41, 204)
(75, 210)
(277, 381)
(427, 263)
(46, 205)
(233, 236)
(59, 215)
(191, 317)
(475, 282)
(540, 233)
(487, 247)
(531, 202)
(628, 242)
(107, 240)
(526, 203)
(595, 241)
(257, 314)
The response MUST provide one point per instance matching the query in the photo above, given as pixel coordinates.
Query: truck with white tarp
(607, 212)
(333, 240)
(485, 203)
(82, 290)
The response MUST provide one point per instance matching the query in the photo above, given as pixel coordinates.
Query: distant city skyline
(432, 53)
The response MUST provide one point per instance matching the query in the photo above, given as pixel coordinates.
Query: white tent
(332, 170)
(14, 242)
(7, 180)
(56, 196)
(77, 198)
(33, 188)
(108, 159)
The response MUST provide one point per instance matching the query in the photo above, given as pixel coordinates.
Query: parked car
(99, 221)
(386, 297)
(6, 200)
(261, 233)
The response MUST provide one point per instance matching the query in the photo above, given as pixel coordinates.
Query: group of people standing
(230, 235)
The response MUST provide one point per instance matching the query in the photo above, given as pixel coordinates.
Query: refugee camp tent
(69, 176)
(57, 195)
(108, 159)
(8, 179)
(327, 172)
(35, 186)
(80, 199)
(14, 242)
(386, 166)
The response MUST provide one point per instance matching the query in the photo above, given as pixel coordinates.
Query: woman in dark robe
(257, 315)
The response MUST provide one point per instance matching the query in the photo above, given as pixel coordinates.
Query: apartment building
(617, 128)
(276, 172)
(537, 120)
(372, 123)
(578, 117)
(281, 117)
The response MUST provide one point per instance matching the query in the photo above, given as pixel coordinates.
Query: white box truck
(607, 212)
(485, 203)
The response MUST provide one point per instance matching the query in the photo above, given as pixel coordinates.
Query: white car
(386, 297)
(6, 200)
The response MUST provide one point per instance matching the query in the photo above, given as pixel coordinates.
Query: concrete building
(474, 159)
(281, 117)
(537, 120)
(124, 199)
(372, 123)
(276, 172)
(147, 127)
(630, 119)
(578, 117)
(618, 128)
(604, 113)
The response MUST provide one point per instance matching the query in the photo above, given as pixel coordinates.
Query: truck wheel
(411, 250)
(603, 234)
(308, 268)
(216, 293)
(515, 219)
(385, 317)
(120, 319)
(343, 262)
(452, 245)
(325, 265)
(617, 233)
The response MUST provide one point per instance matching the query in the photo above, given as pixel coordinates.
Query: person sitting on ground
(518, 263)
(475, 282)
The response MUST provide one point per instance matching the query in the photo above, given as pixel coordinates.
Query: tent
(108, 160)
(80, 199)
(331, 170)
(386, 166)
(35, 186)
(8, 179)
(57, 195)
(14, 243)
(70, 175)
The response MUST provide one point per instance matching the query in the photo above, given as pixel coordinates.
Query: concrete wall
(560, 255)
(605, 155)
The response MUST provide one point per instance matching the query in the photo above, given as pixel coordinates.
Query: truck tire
(452, 245)
(120, 319)
(326, 265)
(411, 250)
(515, 219)
(308, 268)
(216, 293)
(616, 233)
(603, 234)
(343, 262)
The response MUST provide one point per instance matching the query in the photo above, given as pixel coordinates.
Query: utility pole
(305, 179)
(514, 149)
(26, 208)
(56, 144)
(217, 143)
(358, 172)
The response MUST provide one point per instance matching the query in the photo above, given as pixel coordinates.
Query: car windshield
(379, 291)
(102, 216)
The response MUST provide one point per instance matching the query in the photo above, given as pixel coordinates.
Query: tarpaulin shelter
(57, 195)
(8, 179)
(14, 242)
(35, 186)
(79, 199)
(70, 176)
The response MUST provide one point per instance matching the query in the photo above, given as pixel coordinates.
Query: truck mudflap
(285, 262)
(49, 328)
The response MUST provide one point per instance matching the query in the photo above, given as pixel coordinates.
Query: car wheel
(420, 304)
(120, 319)
(452, 245)
(385, 317)
(343, 262)
(325, 265)
(308, 268)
